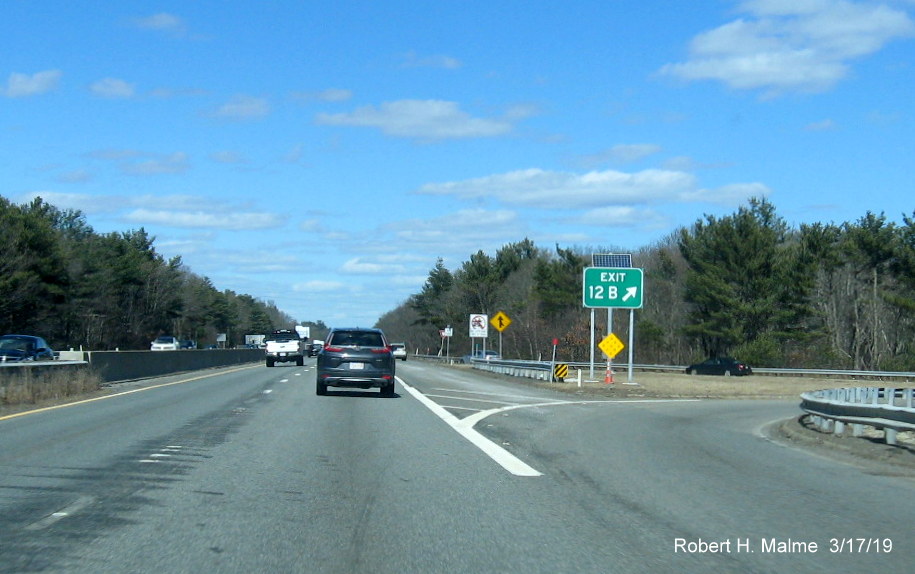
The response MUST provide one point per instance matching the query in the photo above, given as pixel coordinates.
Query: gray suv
(355, 357)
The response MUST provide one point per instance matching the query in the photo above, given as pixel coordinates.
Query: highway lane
(248, 470)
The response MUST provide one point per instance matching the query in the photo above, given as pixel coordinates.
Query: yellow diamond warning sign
(500, 321)
(611, 345)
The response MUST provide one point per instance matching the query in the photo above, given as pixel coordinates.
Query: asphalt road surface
(247, 470)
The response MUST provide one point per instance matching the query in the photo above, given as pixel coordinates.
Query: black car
(356, 358)
(720, 366)
(15, 348)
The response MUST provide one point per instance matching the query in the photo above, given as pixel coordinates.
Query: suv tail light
(333, 349)
(381, 349)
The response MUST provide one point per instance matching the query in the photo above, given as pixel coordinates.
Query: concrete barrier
(113, 366)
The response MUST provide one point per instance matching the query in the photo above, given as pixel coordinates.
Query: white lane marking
(473, 399)
(507, 460)
(455, 408)
(268, 391)
(518, 397)
(80, 503)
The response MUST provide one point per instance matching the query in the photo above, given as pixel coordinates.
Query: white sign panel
(479, 326)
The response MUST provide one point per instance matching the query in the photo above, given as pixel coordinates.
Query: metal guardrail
(883, 408)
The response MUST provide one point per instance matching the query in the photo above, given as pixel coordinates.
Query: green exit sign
(612, 287)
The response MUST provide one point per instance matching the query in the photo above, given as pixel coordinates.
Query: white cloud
(423, 119)
(821, 126)
(328, 95)
(313, 225)
(732, 195)
(783, 46)
(317, 286)
(228, 157)
(620, 216)
(183, 211)
(79, 201)
(623, 153)
(242, 108)
(561, 190)
(413, 60)
(361, 267)
(75, 176)
(254, 261)
(461, 232)
(163, 22)
(294, 155)
(112, 88)
(157, 165)
(205, 219)
(23, 85)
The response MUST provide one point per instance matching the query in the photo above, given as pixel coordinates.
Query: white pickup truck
(284, 346)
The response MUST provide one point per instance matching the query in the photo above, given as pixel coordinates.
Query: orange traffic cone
(608, 377)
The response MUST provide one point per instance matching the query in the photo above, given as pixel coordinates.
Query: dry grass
(676, 385)
(28, 387)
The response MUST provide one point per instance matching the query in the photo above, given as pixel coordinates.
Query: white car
(165, 343)
(399, 350)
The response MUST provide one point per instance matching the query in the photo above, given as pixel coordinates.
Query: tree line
(747, 284)
(78, 288)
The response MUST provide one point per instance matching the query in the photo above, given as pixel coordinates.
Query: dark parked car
(355, 357)
(720, 366)
(15, 348)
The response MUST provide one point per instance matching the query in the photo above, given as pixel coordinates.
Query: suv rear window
(357, 339)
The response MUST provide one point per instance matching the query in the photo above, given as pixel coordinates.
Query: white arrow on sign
(630, 293)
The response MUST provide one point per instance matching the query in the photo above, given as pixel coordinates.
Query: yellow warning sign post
(501, 322)
(611, 346)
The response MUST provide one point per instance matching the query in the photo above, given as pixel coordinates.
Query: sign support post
(613, 288)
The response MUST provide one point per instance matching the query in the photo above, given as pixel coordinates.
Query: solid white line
(507, 460)
(455, 408)
(474, 399)
(490, 394)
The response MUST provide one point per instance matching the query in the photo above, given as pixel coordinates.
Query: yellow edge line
(92, 400)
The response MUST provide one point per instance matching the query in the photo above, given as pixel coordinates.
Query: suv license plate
(356, 366)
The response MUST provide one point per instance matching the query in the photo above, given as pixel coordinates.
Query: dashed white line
(80, 503)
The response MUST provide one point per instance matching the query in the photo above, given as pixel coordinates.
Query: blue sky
(324, 155)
